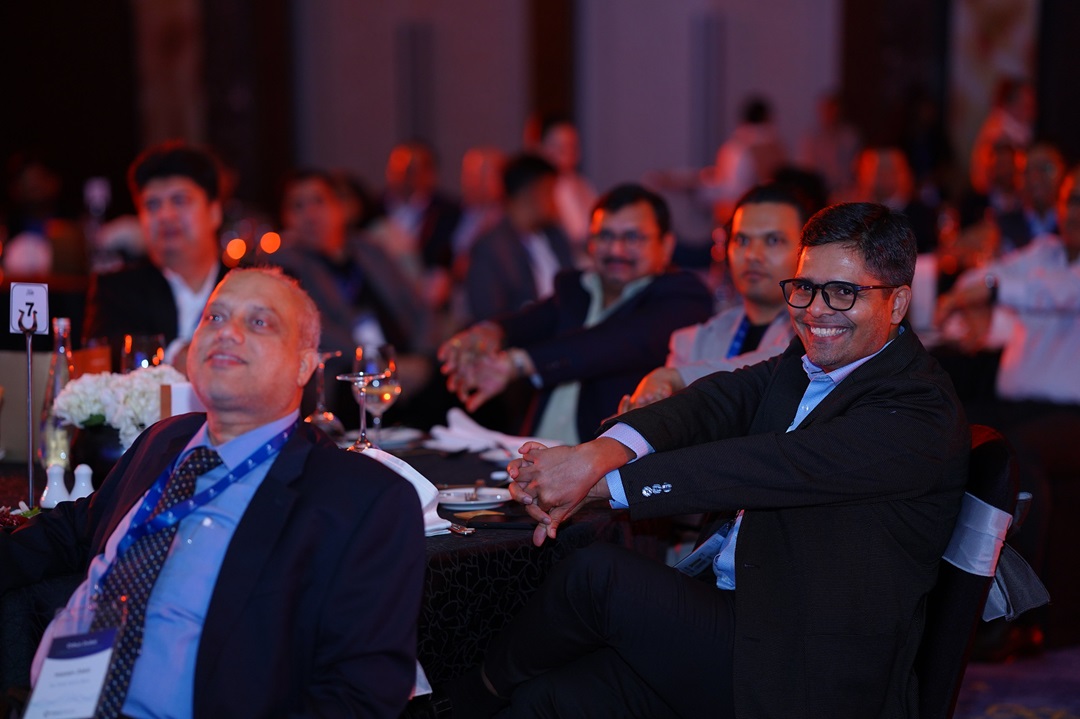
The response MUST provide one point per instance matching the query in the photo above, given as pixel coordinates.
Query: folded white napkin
(425, 490)
(463, 432)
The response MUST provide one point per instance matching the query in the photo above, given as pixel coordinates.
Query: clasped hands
(553, 482)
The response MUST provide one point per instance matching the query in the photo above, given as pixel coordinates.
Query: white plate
(486, 498)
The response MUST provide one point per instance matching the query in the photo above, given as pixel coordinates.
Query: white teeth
(826, 331)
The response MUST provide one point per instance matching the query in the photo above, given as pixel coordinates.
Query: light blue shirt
(821, 384)
(162, 683)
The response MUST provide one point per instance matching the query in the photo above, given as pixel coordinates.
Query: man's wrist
(524, 367)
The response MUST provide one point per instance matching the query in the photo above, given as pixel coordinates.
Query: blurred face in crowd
(626, 245)
(763, 249)
(251, 330)
(180, 224)
(884, 176)
(832, 338)
(410, 172)
(533, 207)
(314, 213)
(1042, 177)
(481, 177)
(561, 147)
(1069, 214)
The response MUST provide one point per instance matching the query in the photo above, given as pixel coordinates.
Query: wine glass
(321, 417)
(375, 367)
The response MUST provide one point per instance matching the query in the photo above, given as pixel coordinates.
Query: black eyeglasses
(838, 295)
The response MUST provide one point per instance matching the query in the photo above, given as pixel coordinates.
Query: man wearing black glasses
(839, 464)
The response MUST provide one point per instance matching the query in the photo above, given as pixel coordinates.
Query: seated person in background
(481, 199)
(515, 263)
(589, 343)
(1029, 301)
(175, 188)
(762, 249)
(560, 144)
(883, 175)
(1039, 185)
(425, 216)
(844, 459)
(298, 588)
(361, 294)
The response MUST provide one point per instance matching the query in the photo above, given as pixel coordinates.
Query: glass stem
(320, 388)
(363, 418)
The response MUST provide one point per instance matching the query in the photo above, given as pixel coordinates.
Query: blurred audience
(831, 147)
(362, 296)
(590, 343)
(426, 217)
(41, 238)
(750, 156)
(1040, 180)
(883, 175)
(515, 262)
(176, 189)
(560, 144)
(481, 199)
(1010, 122)
(762, 250)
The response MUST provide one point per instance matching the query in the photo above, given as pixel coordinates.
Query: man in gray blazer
(842, 462)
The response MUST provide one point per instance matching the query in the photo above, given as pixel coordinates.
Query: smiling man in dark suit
(176, 192)
(841, 464)
(291, 582)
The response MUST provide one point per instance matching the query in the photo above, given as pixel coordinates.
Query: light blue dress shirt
(162, 684)
(821, 384)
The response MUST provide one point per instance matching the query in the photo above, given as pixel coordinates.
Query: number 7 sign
(29, 307)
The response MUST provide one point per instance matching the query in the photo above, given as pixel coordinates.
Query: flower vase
(97, 447)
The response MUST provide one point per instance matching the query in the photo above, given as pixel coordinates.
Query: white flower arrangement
(129, 402)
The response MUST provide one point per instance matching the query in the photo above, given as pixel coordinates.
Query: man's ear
(901, 301)
(309, 360)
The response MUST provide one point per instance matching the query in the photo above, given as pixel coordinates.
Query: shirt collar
(240, 448)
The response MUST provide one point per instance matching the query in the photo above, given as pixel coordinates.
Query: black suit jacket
(134, 300)
(846, 519)
(610, 358)
(500, 277)
(315, 608)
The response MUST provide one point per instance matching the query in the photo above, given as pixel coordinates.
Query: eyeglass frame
(814, 287)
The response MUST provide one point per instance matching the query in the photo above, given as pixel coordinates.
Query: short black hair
(781, 194)
(631, 193)
(175, 158)
(523, 171)
(882, 236)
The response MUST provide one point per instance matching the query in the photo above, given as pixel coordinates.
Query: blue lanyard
(142, 524)
(737, 341)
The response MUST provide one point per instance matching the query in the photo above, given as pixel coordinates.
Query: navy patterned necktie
(129, 581)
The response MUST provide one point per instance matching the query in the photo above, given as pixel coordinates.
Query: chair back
(954, 606)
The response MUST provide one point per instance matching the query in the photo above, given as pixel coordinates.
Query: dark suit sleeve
(633, 338)
(483, 290)
(365, 663)
(871, 439)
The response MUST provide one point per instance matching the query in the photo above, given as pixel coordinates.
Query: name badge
(72, 676)
(701, 559)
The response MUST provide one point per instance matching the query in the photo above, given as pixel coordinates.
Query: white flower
(129, 402)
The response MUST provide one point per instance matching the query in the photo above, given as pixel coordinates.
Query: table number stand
(28, 300)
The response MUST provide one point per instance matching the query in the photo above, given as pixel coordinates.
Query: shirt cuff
(630, 438)
(615, 488)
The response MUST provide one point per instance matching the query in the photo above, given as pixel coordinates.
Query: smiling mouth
(827, 331)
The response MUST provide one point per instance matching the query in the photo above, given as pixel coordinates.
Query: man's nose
(818, 307)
